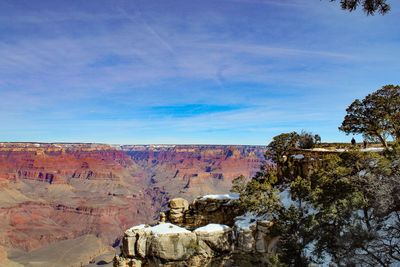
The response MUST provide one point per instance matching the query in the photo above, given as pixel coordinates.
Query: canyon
(55, 197)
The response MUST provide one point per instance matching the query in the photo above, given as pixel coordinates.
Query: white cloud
(231, 54)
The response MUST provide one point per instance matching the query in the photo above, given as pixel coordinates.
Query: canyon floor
(68, 204)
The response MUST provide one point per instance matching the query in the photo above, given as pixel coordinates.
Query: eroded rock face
(247, 243)
(264, 242)
(160, 243)
(172, 247)
(245, 239)
(218, 238)
(205, 210)
(134, 241)
(197, 170)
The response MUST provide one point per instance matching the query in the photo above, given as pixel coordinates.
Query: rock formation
(202, 242)
(50, 193)
(204, 210)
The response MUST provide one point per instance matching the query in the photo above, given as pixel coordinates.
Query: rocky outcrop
(207, 209)
(246, 243)
(161, 243)
(215, 239)
(51, 192)
(177, 209)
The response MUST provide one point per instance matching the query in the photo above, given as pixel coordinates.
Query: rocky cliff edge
(210, 231)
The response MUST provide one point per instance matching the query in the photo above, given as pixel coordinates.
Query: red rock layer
(57, 164)
(52, 192)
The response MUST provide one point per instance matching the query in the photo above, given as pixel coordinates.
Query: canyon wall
(50, 193)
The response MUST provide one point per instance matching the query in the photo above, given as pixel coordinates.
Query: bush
(307, 140)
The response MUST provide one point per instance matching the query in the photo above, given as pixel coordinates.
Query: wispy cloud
(230, 65)
(287, 3)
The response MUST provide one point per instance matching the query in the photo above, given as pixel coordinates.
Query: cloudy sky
(171, 71)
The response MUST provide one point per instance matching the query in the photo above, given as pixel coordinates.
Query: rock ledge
(199, 239)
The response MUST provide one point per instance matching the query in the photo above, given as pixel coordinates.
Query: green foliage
(307, 140)
(347, 208)
(281, 144)
(260, 196)
(364, 212)
(274, 261)
(376, 117)
(369, 6)
(295, 225)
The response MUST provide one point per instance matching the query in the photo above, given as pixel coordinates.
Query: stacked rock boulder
(242, 243)
(177, 209)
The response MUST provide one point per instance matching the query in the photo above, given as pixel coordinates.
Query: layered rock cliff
(55, 192)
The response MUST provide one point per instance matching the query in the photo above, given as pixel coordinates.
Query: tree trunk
(383, 141)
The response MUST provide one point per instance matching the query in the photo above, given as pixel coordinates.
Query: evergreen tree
(369, 6)
(377, 116)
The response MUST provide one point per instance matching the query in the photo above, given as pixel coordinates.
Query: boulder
(176, 218)
(217, 237)
(173, 246)
(134, 241)
(220, 209)
(176, 212)
(245, 239)
(178, 203)
(128, 246)
(178, 207)
(262, 236)
(264, 226)
(141, 244)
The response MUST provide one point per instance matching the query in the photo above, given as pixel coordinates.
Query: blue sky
(187, 72)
